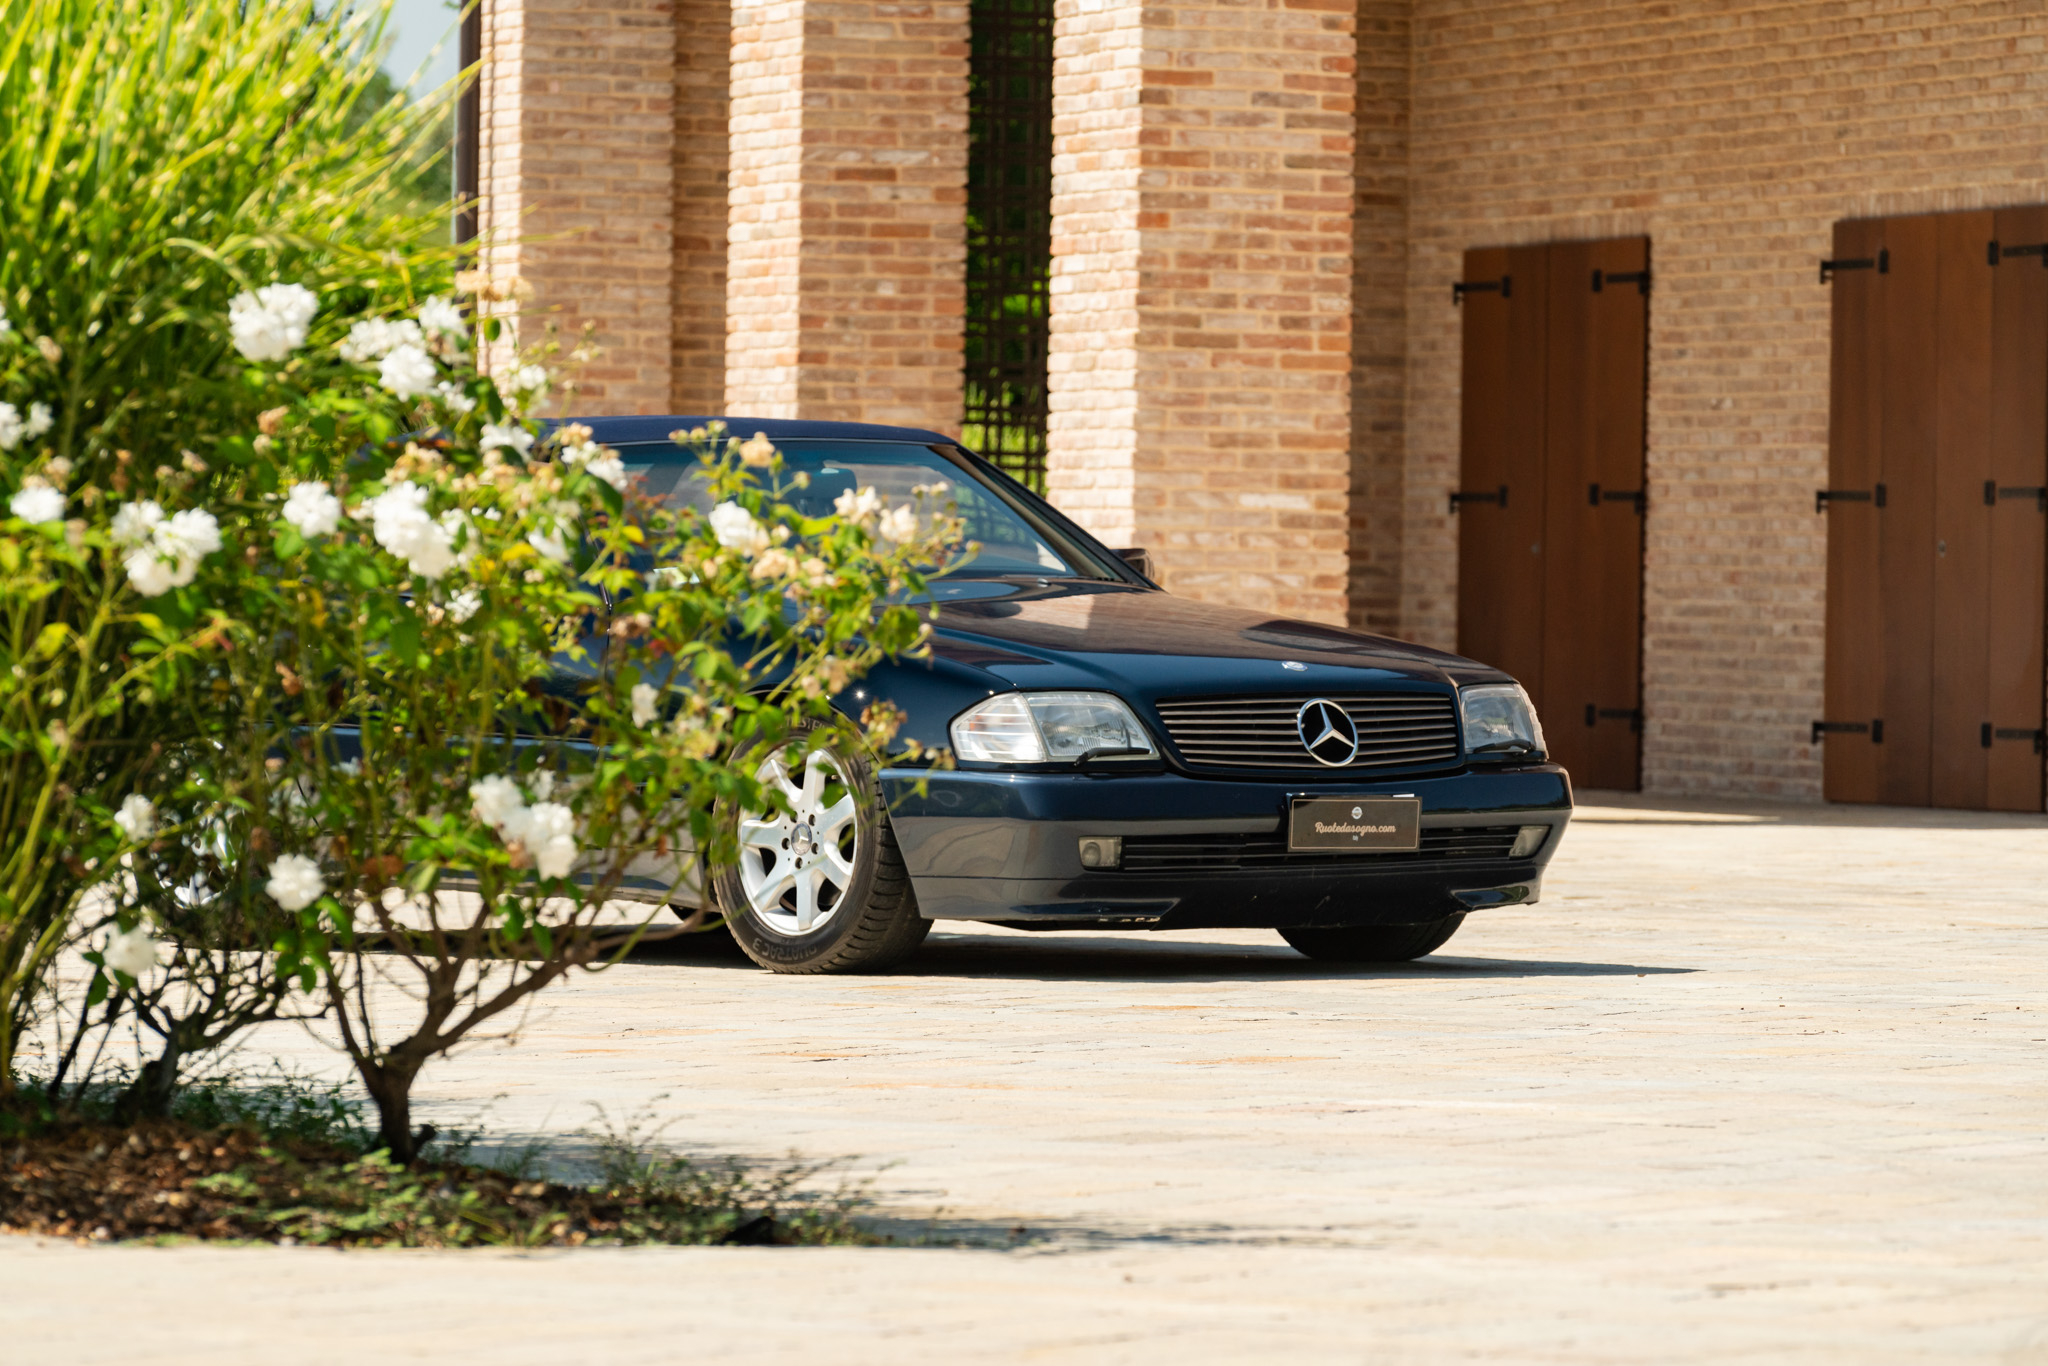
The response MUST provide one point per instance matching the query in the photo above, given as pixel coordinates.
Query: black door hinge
(1639, 278)
(1504, 286)
(1822, 497)
(2038, 738)
(1498, 498)
(1994, 252)
(2039, 495)
(1875, 729)
(1881, 263)
(1595, 497)
(1632, 715)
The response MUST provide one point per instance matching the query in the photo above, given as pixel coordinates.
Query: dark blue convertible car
(1125, 758)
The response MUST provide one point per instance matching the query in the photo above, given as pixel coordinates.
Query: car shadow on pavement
(1137, 956)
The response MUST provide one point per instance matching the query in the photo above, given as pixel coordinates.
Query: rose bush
(325, 668)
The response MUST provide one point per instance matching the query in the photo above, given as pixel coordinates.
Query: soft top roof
(613, 431)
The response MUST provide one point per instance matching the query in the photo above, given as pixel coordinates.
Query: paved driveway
(1752, 1083)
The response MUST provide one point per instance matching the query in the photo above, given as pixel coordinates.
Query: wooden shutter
(1550, 495)
(1855, 621)
(2018, 561)
(1592, 658)
(1499, 506)
(1938, 512)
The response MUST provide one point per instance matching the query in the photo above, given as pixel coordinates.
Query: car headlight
(1500, 722)
(1049, 727)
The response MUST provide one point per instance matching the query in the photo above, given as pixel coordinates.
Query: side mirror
(1140, 559)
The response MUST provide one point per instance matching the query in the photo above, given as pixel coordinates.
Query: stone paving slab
(1753, 1083)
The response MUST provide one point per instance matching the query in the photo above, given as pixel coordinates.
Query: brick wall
(848, 210)
(1201, 312)
(703, 76)
(577, 132)
(1734, 134)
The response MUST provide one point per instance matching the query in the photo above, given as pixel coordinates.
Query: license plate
(1336, 825)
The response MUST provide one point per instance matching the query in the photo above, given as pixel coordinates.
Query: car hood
(1077, 634)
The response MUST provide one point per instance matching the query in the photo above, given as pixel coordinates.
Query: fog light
(1528, 841)
(1102, 851)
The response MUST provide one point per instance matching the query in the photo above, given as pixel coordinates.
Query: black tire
(1374, 943)
(873, 922)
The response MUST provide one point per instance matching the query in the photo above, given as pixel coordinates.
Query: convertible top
(613, 431)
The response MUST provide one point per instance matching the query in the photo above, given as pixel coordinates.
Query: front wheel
(820, 887)
(1374, 943)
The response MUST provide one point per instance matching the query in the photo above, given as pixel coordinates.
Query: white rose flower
(453, 398)
(736, 529)
(11, 427)
(441, 317)
(136, 818)
(271, 323)
(295, 882)
(408, 371)
(464, 605)
(312, 509)
(858, 507)
(549, 834)
(135, 522)
(610, 468)
(400, 523)
(169, 557)
(899, 523)
(151, 576)
(132, 951)
(645, 704)
(5, 326)
(510, 436)
(496, 800)
(38, 503)
(40, 420)
(375, 338)
(190, 535)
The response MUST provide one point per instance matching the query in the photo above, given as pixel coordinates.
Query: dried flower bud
(51, 351)
(271, 420)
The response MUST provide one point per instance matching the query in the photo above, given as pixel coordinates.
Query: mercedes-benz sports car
(1124, 758)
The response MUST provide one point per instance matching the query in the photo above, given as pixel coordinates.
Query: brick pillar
(577, 148)
(702, 145)
(1201, 310)
(848, 210)
(1379, 316)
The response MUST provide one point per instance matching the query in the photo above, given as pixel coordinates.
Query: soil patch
(171, 1180)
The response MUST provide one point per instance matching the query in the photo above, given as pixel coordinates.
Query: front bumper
(1210, 853)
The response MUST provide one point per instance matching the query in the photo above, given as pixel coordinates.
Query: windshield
(1014, 538)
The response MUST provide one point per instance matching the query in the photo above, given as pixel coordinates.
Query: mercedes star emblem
(1326, 732)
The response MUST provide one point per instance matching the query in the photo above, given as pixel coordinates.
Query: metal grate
(1009, 232)
(1395, 731)
(1229, 853)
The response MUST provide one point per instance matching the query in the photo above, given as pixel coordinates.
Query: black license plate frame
(1354, 825)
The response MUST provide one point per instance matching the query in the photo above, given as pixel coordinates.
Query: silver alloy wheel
(795, 867)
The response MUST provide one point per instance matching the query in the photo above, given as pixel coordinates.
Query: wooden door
(1550, 501)
(1937, 514)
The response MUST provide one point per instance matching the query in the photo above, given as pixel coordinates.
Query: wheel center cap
(800, 840)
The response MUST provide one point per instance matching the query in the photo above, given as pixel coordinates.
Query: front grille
(1230, 853)
(1395, 731)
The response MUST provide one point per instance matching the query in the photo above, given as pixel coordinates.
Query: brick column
(1201, 310)
(577, 146)
(703, 76)
(848, 202)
